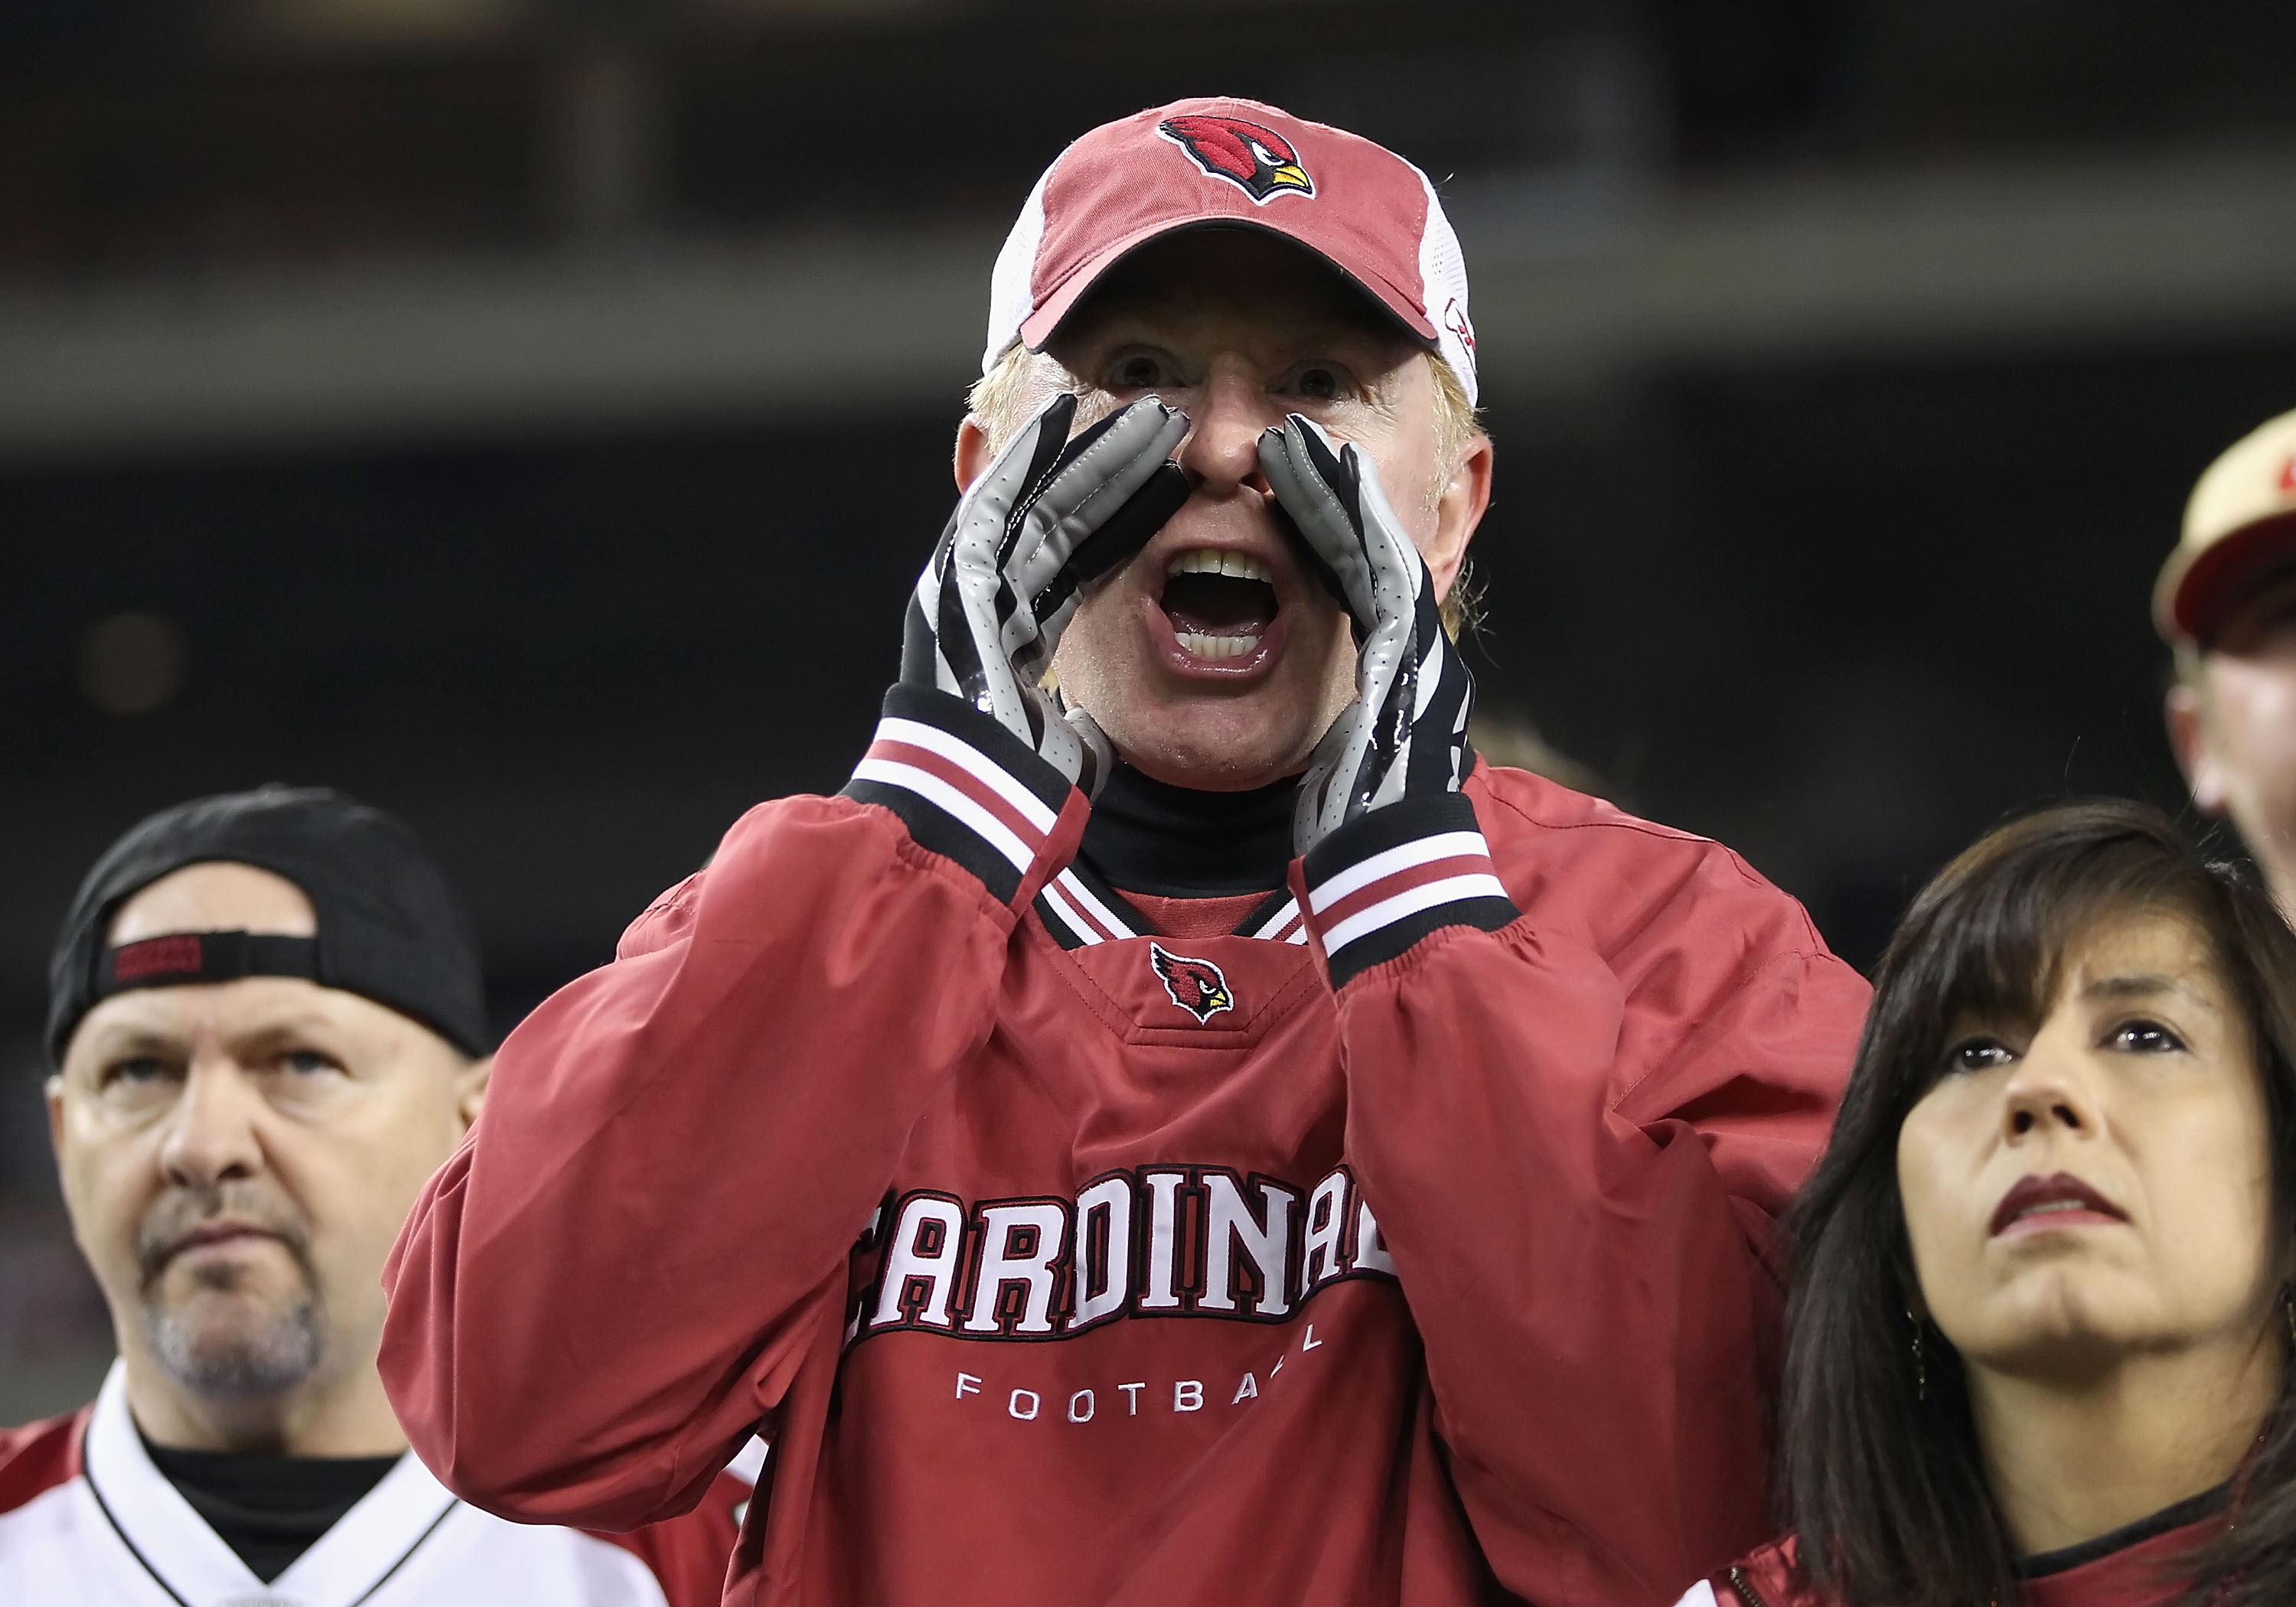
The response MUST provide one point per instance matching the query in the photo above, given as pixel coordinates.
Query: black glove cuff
(1381, 883)
(965, 787)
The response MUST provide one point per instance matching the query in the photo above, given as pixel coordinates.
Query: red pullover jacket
(1064, 1262)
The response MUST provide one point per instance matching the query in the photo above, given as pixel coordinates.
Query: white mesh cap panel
(1443, 281)
(1010, 300)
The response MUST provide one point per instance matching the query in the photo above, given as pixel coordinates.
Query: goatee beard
(245, 1353)
(238, 1361)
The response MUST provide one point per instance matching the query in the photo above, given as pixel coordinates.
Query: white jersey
(88, 1521)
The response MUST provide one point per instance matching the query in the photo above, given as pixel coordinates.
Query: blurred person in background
(1513, 739)
(2041, 1319)
(1208, 1137)
(2225, 602)
(267, 1022)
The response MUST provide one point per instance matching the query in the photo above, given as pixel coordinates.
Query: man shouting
(1178, 1127)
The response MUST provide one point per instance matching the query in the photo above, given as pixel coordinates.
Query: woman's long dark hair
(1885, 1488)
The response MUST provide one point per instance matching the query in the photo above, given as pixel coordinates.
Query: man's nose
(2048, 1096)
(211, 1133)
(1221, 451)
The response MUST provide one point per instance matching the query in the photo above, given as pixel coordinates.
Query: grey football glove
(1051, 516)
(1406, 734)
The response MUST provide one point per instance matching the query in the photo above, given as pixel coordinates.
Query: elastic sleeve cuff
(969, 789)
(1380, 883)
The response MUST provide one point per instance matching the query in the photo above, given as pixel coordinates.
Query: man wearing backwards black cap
(1086, 1222)
(268, 1026)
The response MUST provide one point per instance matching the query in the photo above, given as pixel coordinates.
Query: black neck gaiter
(1174, 842)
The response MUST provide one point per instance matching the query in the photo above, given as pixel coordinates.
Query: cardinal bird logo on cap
(1196, 986)
(1257, 161)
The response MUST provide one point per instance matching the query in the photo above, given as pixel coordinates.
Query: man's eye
(309, 1063)
(1978, 1054)
(1139, 372)
(2145, 1037)
(137, 1070)
(1320, 384)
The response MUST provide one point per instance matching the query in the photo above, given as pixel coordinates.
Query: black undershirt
(1172, 842)
(269, 1509)
(2191, 1510)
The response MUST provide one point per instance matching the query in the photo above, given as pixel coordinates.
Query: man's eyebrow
(137, 1040)
(302, 1024)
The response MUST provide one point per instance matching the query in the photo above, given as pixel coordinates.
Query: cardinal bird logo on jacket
(1259, 161)
(1196, 986)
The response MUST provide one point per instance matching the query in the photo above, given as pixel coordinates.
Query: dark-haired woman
(2040, 1327)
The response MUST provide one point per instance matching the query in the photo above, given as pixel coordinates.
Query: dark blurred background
(526, 413)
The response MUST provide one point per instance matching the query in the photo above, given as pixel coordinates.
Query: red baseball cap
(1232, 163)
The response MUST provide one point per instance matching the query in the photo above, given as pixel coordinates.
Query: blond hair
(1019, 384)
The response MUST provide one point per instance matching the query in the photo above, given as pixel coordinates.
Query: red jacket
(1208, 1282)
(2132, 1568)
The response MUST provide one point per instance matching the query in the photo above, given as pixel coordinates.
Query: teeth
(1203, 560)
(1207, 646)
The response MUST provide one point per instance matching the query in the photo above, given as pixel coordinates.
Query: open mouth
(1220, 604)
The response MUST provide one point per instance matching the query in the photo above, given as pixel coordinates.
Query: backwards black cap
(389, 927)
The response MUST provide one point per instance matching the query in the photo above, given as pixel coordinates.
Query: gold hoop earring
(1921, 1364)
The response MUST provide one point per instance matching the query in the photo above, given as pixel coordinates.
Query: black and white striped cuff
(968, 789)
(1378, 884)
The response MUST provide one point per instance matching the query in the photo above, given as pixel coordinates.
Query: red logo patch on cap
(2288, 474)
(179, 955)
(1196, 986)
(1255, 160)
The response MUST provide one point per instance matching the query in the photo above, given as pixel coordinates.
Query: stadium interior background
(526, 415)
